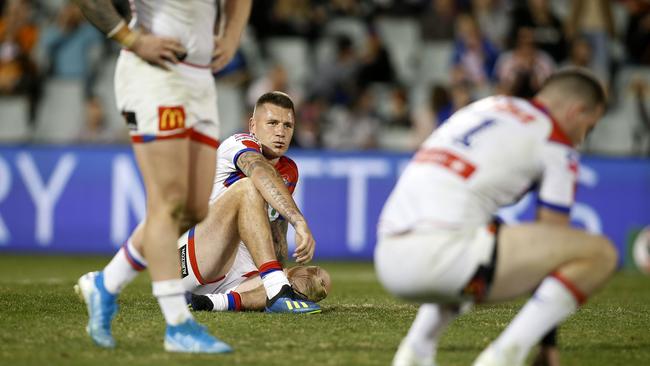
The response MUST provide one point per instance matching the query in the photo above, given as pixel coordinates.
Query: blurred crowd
(365, 74)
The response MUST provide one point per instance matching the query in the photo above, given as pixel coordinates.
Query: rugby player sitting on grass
(245, 232)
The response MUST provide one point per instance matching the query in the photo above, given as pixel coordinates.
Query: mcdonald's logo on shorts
(171, 118)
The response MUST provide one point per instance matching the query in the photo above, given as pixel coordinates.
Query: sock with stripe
(171, 298)
(553, 301)
(123, 268)
(224, 302)
(273, 278)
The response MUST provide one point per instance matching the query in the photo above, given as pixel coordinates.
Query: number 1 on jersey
(465, 138)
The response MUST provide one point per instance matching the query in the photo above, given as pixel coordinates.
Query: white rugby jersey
(192, 22)
(486, 156)
(228, 172)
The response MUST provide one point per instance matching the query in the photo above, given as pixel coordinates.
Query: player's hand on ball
(159, 50)
(305, 243)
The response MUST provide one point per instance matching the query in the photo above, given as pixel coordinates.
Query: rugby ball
(641, 251)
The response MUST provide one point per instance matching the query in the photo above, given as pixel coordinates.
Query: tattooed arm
(279, 233)
(153, 49)
(269, 183)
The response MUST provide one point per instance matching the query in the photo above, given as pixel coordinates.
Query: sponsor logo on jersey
(171, 118)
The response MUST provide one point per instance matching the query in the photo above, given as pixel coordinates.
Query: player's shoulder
(242, 140)
(286, 165)
(287, 161)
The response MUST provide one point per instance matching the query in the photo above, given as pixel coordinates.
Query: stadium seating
(13, 119)
(61, 114)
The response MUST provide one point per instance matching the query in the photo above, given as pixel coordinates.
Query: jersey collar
(557, 133)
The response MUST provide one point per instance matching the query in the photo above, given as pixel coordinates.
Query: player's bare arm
(279, 233)
(225, 43)
(270, 184)
(153, 49)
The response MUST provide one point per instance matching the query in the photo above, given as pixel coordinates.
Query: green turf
(42, 323)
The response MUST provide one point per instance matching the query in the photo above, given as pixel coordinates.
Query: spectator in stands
(437, 23)
(375, 65)
(276, 79)
(593, 20)
(71, 49)
(353, 127)
(399, 113)
(493, 20)
(580, 53)
(547, 28)
(641, 135)
(293, 18)
(474, 56)
(637, 36)
(311, 115)
(18, 36)
(336, 81)
(96, 130)
(520, 72)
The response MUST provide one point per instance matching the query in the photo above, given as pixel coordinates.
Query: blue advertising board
(88, 199)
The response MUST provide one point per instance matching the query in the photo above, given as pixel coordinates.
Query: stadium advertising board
(88, 199)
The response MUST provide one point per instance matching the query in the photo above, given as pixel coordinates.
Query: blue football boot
(101, 305)
(287, 301)
(191, 337)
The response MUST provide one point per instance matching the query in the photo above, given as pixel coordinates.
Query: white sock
(170, 295)
(273, 277)
(430, 322)
(553, 302)
(273, 282)
(123, 268)
(219, 302)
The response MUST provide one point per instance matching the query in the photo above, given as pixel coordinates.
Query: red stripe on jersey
(447, 159)
(252, 144)
(557, 134)
(289, 172)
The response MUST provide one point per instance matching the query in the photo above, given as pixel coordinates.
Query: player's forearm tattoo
(101, 13)
(279, 234)
(270, 184)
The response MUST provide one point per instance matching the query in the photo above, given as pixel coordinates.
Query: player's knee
(609, 254)
(192, 216)
(605, 254)
(250, 193)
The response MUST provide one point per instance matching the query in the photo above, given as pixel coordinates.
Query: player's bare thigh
(528, 253)
(201, 178)
(217, 237)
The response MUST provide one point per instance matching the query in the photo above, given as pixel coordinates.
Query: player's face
(273, 126)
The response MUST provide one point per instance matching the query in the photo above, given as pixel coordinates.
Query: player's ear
(325, 280)
(251, 125)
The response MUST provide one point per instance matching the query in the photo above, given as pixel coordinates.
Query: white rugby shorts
(159, 104)
(242, 268)
(437, 265)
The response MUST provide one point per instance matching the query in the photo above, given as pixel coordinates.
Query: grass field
(42, 323)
